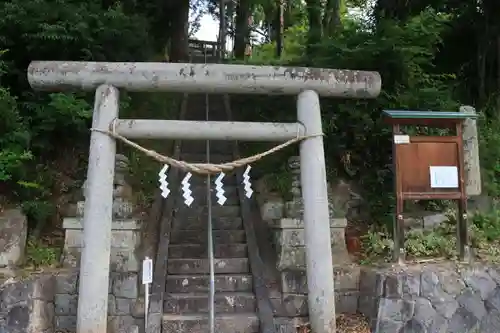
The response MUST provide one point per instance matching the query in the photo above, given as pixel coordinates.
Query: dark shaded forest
(431, 54)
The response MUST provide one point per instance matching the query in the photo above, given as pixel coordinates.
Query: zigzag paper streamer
(186, 190)
(163, 181)
(219, 191)
(246, 182)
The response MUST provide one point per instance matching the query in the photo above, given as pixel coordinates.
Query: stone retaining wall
(125, 306)
(27, 305)
(13, 233)
(432, 298)
(294, 291)
(284, 219)
(125, 309)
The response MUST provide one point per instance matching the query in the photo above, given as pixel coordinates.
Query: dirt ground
(352, 323)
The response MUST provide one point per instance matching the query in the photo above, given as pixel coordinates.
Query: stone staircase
(186, 303)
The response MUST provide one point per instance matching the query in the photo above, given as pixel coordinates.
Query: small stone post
(295, 207)
(471, 154)
(97, 219)
(321, 297)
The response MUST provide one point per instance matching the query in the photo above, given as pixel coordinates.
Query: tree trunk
(222, 29)
(331, 16)
(280, 29)
(179, 42)
(315, 32)
(241, 31)
(498, 75)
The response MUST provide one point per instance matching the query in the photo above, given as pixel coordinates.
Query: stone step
(199, 323)
(200, 222)
(197, 112)
(201, 283)
(198, 147)
(229, 302)
(200, 195)
(185, 212)
(198, 237)
(218, 223)
(201, 266)
(201, 181)
(202, 158)
(201, 251)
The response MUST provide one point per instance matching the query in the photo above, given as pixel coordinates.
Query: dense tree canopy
(432, 54)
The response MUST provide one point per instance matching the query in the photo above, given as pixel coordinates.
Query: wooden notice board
(428, 167)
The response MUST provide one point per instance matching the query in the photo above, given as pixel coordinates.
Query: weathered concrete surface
(207, 130)
(432, 298)
(471, 153)
(27, 305)
(13, 233)
(203, 78)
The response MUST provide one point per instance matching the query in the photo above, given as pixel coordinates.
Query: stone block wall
(294, 291)
(285, 220)
(124, 307)
(125, 241)
(27, 305)
(290, 245)
(442, 297)
(13, 233)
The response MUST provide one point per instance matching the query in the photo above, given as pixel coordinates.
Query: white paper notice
(444, 176)
(401, 139)
(147, 271)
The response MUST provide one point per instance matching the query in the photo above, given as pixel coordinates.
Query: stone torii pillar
(306, 83)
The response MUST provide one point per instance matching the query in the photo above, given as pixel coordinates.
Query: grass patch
(40, 254)
(439, 242)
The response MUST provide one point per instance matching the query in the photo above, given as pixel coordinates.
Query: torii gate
(106, 77)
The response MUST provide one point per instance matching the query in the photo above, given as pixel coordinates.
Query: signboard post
(429, 168)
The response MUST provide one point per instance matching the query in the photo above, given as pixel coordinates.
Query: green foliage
(439, 242)
(294, 47)
(280, 181)
(44, 137)
(39, 254)
(14, 138)
(358, 143)
(378, 244)
(489, 149)
(488, 224)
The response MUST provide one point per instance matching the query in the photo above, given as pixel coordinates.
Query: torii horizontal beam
(203, 78)
(207, 130)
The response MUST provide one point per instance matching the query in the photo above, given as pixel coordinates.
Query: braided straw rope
(200, 168)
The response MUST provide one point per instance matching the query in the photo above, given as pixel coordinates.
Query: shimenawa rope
(200, 168)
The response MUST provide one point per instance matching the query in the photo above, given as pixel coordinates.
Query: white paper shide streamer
(186, 190)
(163, 181)
(219, 189)
(246, 182)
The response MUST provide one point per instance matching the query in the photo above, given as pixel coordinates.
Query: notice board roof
(426, 118)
